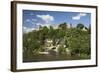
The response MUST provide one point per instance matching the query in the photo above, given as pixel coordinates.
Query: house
(84, 29)
(50, 47)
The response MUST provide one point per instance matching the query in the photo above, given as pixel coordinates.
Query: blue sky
(32, 19)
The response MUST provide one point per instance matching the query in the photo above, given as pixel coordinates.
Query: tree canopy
(75, 39)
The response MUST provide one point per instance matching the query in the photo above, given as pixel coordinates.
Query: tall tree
(63, 26)
(80, 26)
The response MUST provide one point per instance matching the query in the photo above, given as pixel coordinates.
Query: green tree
(63, 26)
(51, 33)
(78, 41)
(43, 34)
(80, 26)
(89, 29)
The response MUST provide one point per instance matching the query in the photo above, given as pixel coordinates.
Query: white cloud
(28, 20)
(82, 14)
(39, 24)
(31, 21)
(47, 25)
(77, 17)
(34, 20)
(47, 18)
(26, 29)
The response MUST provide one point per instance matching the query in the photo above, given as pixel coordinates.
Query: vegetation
(73, 41)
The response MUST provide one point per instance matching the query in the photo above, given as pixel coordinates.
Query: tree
(63, 26)
(30, 44)
(80, 26)
(89, 29)
(78, 41)
(45, 30)
(30, 41)
(51, 33)
(43, 34)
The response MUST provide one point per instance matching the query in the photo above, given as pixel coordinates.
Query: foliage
(78, 41)
(75, 39)
(80, 26)
(61, 50)
(63, 26)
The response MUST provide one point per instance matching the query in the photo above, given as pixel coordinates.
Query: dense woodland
(75, 39)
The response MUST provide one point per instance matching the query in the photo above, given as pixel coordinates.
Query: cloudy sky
(32, 19)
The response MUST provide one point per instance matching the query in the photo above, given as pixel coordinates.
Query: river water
(52, 57)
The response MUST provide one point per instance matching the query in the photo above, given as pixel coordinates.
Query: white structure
(84, 29)
(43, 52)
